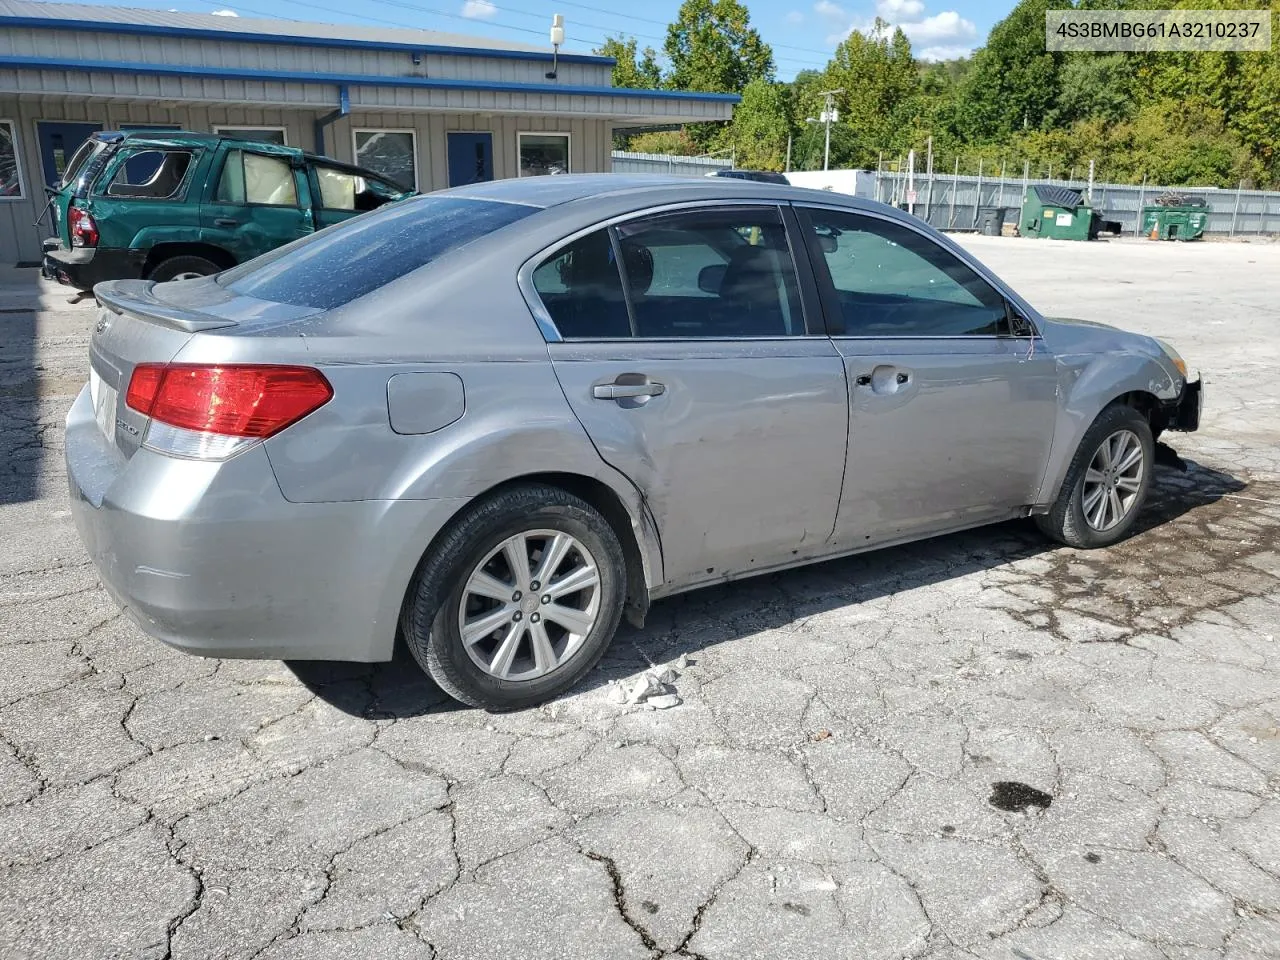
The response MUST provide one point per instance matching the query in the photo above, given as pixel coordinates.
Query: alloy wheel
(1113, 480)
(529, 605)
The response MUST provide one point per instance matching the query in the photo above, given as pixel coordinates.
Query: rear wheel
(182, 268)
(518, 600)
(1107, 482)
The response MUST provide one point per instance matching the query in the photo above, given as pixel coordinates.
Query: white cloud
(479, 9)
(831, 11)
(795, 16)
(943, 53)
(899, 9)
(224, 13)
(941, 27)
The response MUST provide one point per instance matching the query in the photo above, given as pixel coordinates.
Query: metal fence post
(977, 197)
(1236, 210)
(955, 188)
(1137, 220)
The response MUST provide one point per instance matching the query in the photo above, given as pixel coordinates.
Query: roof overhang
(53, 76)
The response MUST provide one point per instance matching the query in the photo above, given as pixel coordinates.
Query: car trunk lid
(144, 322)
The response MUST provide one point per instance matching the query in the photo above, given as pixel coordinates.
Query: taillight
(212, 410)
(84, 229)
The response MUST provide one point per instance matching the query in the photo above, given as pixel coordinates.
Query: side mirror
(711, 278)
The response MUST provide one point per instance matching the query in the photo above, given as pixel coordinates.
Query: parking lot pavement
(979, 746)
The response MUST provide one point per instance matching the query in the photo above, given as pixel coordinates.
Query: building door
(470, 158)
(58, 143)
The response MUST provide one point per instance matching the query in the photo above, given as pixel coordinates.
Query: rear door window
(346, 190)
(341, 264)
(255, 178)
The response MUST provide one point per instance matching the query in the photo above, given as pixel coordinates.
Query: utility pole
(788, 168)
(828, 114)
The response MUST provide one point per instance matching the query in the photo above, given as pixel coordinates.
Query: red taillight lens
(235, 400)
(84, 229)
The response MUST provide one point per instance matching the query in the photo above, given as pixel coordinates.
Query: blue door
(470, 158)
(58, 143)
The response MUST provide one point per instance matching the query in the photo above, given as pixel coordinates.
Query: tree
(1014, 82)
(877, 75)
(633, 70)
(713, 48)
(761, 126)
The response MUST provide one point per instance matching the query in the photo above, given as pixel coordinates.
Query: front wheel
(518, 599)
(1107, 482)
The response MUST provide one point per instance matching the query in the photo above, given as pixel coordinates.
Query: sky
(803, 33)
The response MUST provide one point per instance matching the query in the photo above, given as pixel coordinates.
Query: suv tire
(183, 268)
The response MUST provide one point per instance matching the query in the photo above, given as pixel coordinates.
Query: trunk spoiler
(134, 297)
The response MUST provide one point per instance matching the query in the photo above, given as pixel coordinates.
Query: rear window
(344, 262)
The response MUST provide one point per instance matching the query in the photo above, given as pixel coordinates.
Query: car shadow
(399, 689)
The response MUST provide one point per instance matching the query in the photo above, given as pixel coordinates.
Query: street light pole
(828, 114)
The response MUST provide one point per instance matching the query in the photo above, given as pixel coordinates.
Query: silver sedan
(497, 419)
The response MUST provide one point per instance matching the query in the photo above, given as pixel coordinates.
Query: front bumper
(210, 558)
(1184, 413)
(82, 267)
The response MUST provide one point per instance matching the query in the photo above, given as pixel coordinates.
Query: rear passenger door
(952, 403)
(260, 201)
(689, 346)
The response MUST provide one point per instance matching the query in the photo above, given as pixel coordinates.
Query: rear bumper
(211, 559)
(82, 267)
(1184, 413)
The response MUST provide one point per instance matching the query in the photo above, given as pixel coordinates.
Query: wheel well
(1149, 405)
(167, 251)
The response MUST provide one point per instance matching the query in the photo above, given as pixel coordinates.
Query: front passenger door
(950, 413)
(682, 346)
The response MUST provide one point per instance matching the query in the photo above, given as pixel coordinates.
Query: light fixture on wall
(557, 38)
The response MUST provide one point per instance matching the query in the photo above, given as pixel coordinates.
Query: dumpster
(991, 220)
(1058, 213)
(1175, 217)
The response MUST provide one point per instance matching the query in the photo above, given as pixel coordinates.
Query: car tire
(441, 598)
(182, 268)
(1078, 517)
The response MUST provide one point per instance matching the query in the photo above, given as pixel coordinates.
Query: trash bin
(1058, 213)
(1182, 222)
(991, 220)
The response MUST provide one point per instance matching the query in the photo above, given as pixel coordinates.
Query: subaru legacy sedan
(496, 419)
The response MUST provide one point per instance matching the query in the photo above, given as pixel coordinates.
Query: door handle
(623, 391)
(226, 222)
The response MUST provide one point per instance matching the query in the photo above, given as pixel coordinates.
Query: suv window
(257, 178)
(344, 190)
(150, 173)
(336, 266)
(715, 274)
(891, 281)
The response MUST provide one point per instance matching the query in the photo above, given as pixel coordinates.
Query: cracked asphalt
(847, 776)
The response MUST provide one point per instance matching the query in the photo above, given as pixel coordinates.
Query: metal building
(430, 109)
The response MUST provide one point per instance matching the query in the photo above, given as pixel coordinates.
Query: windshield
(335, 266)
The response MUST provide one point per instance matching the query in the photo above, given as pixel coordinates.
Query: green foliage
(676, 142)
(633, 70)
(876, 75)
(713, 48)
(761, 126)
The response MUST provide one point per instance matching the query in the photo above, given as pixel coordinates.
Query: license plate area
(104, 397)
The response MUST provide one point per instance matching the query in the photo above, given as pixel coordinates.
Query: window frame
(811, 306)
(317, 191)
(1015, 307)
(413, 134)
(568, 149)
(17, 160)
(118, 161)
(229, 130)
(298, 182)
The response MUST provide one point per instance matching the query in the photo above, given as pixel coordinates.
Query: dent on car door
(697, 378)
(951, 413)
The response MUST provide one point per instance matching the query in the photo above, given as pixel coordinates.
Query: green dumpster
(1183, 219)
(1058, 213)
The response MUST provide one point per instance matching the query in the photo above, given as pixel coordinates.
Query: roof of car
(568, 188)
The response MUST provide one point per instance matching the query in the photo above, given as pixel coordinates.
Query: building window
(261, 134)
(392, 153)
(542, 154)
(10, 171)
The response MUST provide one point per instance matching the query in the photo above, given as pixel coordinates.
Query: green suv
(174, 205)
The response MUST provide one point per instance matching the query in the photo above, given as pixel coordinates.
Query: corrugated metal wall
(627, 162)
(589, 143)
(953, 202)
